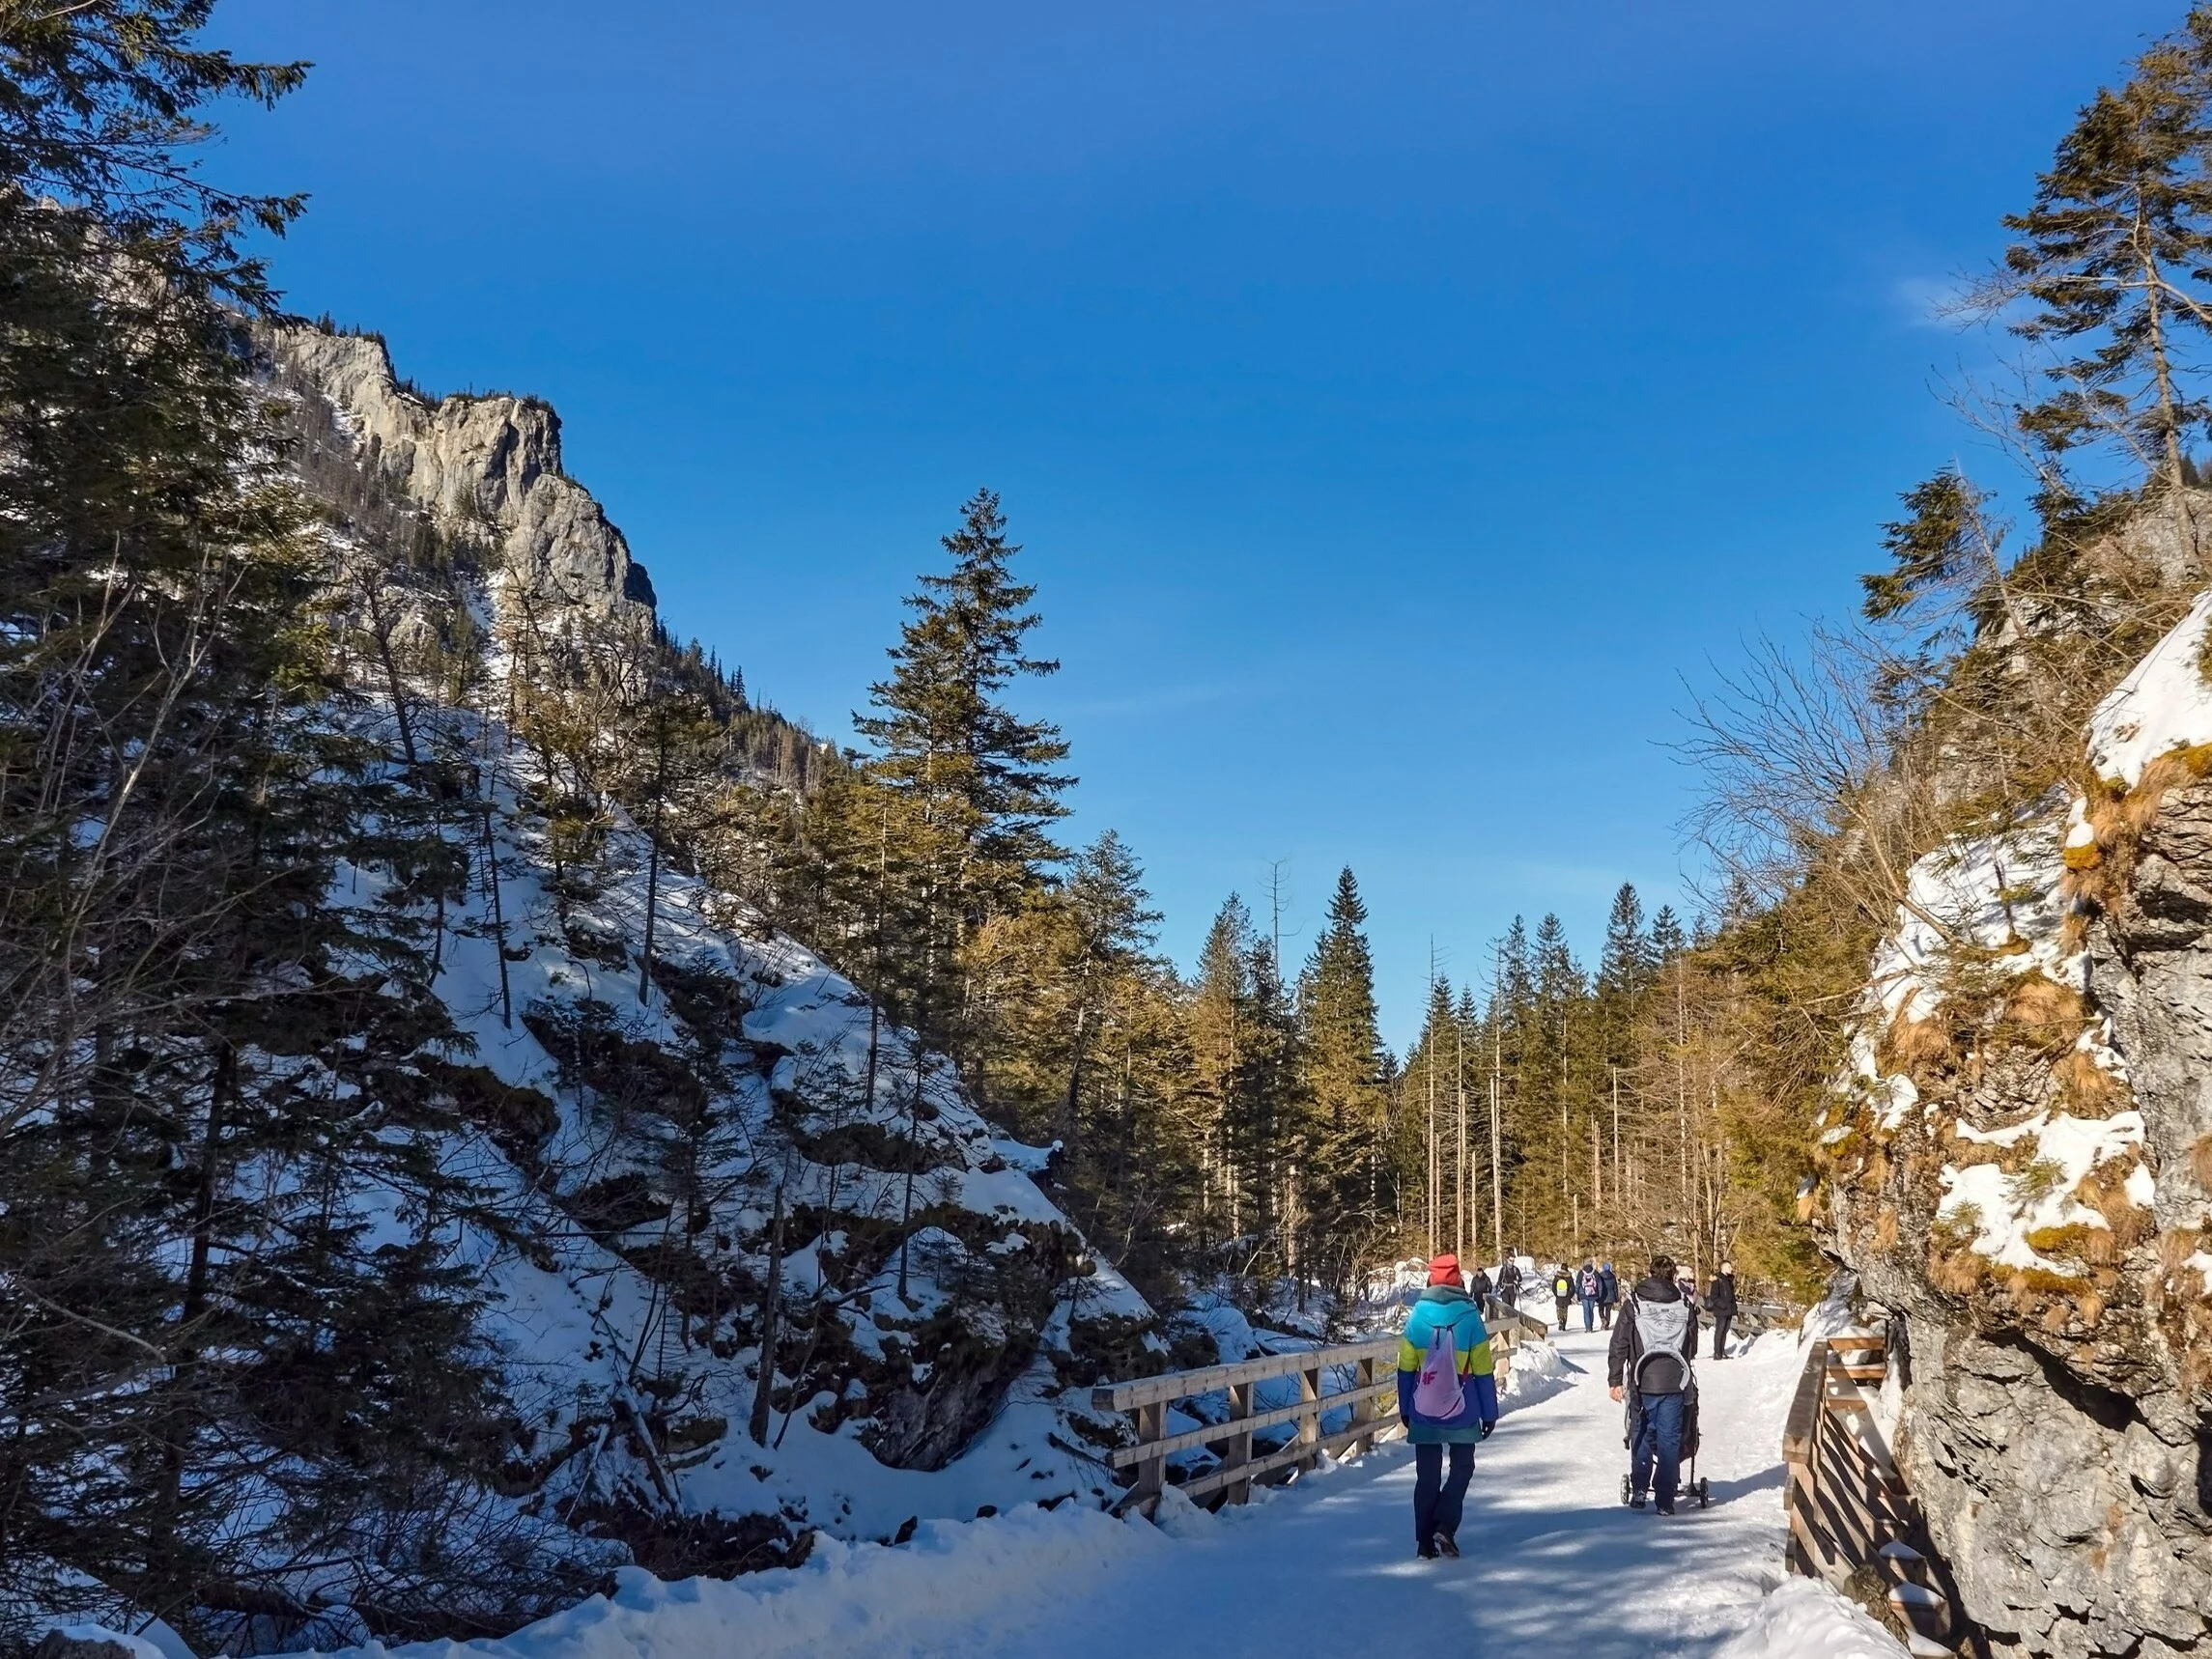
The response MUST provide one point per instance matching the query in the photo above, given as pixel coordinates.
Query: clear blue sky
(1396, 398)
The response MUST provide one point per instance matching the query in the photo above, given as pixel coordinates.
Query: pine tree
(2112, 257)
(1340, 1050)
(979, 780)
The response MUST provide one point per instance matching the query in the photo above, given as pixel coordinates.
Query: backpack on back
(1662, 1367)
(1437, 1392)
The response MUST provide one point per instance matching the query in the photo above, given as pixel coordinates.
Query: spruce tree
(2112, 260)
(1341, 1050)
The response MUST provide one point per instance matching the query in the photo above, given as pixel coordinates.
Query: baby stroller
(1694, 1485)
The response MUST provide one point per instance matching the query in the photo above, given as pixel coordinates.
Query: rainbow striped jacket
(1440, 1306)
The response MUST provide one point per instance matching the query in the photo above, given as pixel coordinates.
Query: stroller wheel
(1704, 1493)
(1625, 1489)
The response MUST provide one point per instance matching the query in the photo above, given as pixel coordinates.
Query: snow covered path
(1549, 1554)
(1553, 1565)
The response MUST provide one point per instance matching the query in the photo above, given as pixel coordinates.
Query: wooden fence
(1360, 1375)
(1849, 1513)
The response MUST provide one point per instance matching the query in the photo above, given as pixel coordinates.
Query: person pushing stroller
(1648, 1364)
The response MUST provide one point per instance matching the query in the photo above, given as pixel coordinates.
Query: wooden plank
(1209, 1434)
(1182, 1385)
(1856, 1344)
(1274, 1463)
(1803, 1421)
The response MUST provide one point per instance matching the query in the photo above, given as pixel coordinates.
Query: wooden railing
(1847, 1506)
(1360, 1375)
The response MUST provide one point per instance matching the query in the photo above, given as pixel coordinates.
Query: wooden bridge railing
(1847, 1506)
(1360, 1375)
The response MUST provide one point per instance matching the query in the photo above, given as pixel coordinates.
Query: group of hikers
(1598, 1288)
(1447, 1386)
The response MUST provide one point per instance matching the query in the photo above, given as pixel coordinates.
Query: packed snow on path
(1552, 1562)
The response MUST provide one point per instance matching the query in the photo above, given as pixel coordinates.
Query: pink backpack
(1438, 1391)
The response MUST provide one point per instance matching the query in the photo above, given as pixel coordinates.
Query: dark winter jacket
(1624, 1358)
(1608, 1287)
(1720, 1300)
(1479, 1286)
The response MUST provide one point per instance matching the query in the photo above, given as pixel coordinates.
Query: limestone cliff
(2017, 1167)
(491, 465)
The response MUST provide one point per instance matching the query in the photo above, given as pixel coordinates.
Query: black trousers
(1562, 1301)
(1438, 1500)
(1720, 1324)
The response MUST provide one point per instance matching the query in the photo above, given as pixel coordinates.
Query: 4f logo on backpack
(1438, 1391)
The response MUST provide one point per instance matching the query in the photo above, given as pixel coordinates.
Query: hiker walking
(1509, 1282)
(1561, 1291)
(1588, 1289)
(1648, 1363)
(1478, 1287)
(1448, 1399)
(1609, 1293)
(1721, 1302)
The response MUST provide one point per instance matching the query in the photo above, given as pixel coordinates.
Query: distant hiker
(1561, 1291)
(1478, 1287)
(1647, 1363)
(1609, 1293)
(1509, 1282)
(1721, 1302)
(1588, 1289)
(1448, 1398)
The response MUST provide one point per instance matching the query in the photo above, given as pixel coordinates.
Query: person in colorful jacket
(1437, 1498)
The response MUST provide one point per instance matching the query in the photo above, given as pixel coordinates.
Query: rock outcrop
(2018, 1170)
(487, 465)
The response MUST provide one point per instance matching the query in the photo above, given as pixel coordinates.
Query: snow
(1998, 892)
(2005, 1208)
(2164, 703)
(1804, 1620)
(1552, 1560)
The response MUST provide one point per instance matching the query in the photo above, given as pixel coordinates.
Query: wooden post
(1310, 1420)
(1152, 1471)
(1239, 1450)
(1363, 1407)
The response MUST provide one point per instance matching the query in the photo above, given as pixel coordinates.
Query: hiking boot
(1636, 1500)
(1666, 1506)
(1427, 1552)
(1447, 1545)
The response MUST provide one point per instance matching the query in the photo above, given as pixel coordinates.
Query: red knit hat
(1444, 1268)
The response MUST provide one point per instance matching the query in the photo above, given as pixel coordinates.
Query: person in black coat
(1721, 1302)
(1660, 1379)
(1509, 1282)
(1478, 1287)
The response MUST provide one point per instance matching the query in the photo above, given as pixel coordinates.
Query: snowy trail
(1553, 1564)
(1549, 1554)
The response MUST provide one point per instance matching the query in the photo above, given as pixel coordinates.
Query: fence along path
(1849, 1513)
(1360, 1375)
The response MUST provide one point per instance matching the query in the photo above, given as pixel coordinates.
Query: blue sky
(1397, 399)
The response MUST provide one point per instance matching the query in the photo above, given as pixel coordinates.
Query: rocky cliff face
(488, 465)
(2019, 1170)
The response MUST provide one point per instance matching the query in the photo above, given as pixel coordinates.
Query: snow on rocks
(2006, 1209)
(2164, 704)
